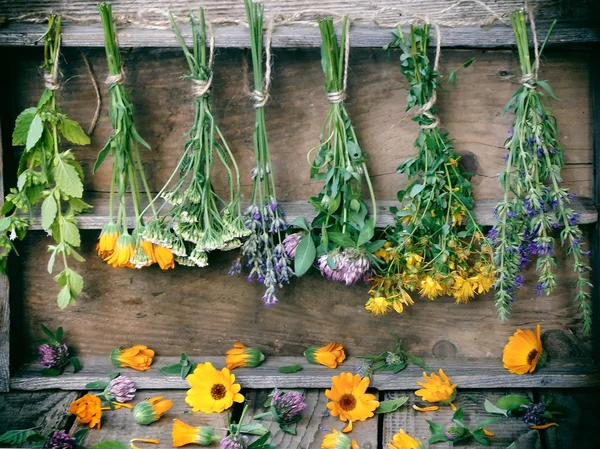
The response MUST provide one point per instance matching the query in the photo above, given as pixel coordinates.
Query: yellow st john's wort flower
(212, 391)
(185, 434)
(463, 289)
(523, 351)
(151, 410)
(413, 260)
(123, 253)
(401, 300)
(430, 288)
(384, 253)
(138, 357)
(108, 240)
(378, 305)
(337, 440)
(330, 356)
(437, 389)
(350, 400)
(88, 410)
(242, 356)
(404, 441)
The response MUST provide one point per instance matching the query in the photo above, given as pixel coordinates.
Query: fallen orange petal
(453, 407)
(142, 440)
(348, 428)
(545, 426)
(487, 433)
(430, 408)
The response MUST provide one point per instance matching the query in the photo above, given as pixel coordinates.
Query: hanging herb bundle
(199, 221)
(435, 248)
(269, 264)
(47, 173)
(341, 231)
(116, 246)
(534, 203)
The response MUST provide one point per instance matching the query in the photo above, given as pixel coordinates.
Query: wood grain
(4, 299)
(119, 424)
(316, 422)
(506, 430)
(468, 373)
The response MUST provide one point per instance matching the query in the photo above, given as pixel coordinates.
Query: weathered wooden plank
(316, 422)
(506, 430)
(4, 300)
(468, 373)
(45, 411)
(119, 424)
(595, 234)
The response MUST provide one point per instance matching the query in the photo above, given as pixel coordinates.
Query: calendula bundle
(199, 220)
(435, 247)
(342, 229)
(263, 249)
(47, 172)
(116, 246)
(534, 203)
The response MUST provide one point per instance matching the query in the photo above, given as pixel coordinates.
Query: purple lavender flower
(288, 406)
(350, 266)
(291, 242)
(553, 150)
(533, 413)
(519, 281)
(493, 234)
(539, 289)
(236, 267)
(512, 214)
(574, 218)
(511, 132)
(60, 440)
(53, 355)
(121, 389)
(540, 152)
(234, 442)
(273, 205)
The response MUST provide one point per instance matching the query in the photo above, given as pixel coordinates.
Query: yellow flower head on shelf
(108, 240)
(330, 355)
(123, 253)
(430, 288)
(523, 351)
(378, 305)
(88, 410)
(350, 400)
(464, 289)
(212, 391)
(413, 260)
(240, 356)
(402, 440)
(138, 357)
(337, 440)
(183, 434)
(437, 388)
(151, 410)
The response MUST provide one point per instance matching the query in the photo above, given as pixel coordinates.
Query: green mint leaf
(45, 98)
(174, 369)
(52, 260)
(67, 179)
(73, 132)
(491, 408)
(305, 255)
(300, 222)
(69, 232)
(18, 437)
(102, 154)
(391, 405)
(511, 402)
(64, 297)
(97, 385)
(290, 369)
(34, 134)
(367, 232)
(49, 211)
(22, 124)
(75, 282)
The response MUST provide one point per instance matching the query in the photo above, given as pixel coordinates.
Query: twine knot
(201, 87)
(260, 98)
(119, 78)
(50, 81)
(525, 81)
(336, 97)
(425, 111)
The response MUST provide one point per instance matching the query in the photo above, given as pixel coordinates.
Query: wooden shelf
(467, 373)
(484, 212)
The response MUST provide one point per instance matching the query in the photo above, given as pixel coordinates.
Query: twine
(340, 96)
(97, 91)
(51, 81)
(261, 97)
(119, 78)
(199, 86)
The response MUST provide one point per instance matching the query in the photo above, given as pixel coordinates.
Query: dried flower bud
(121, 389)
(242, 356)
(151, 410)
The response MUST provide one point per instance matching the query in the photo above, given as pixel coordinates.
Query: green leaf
(511, 402)
(52, 372)
(45, 97)
(75, 282)
(22, 124)
(34, 133)
(417, 188)
(73, 132)
(253, 429)
(80, 435)
(305, 255)
(367, 232)
(481, 437)
(458, 414)
(70, 233)
(49, 211)
(64, 297)
(491, 408)
(5, 223)
(102, 154)
(48, 333)
(59, 334)
(290, 369)
(18, 437)
(174, 369)
(97, 385)
(52, 260)
(341, 239)
(391, 405)
(471, 397)
(547, 88)
(67, 179)
(300, 222)
(109, 445)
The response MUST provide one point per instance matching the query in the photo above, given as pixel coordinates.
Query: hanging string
(118, 78)
(97, 90)
(261, 97)
(340, 96)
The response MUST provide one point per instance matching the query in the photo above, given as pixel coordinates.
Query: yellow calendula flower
(402, 440)
(151, 410)
(350, 400)
(378, 305)
(413, 260)
(138, 357)
(123, 253)
(88, 410)
(242, 356)
(185, 434)
(437, 389)
(212, 391)
(330, 356)
(430, 288)
(164, 257)
(463, 289)
(148, 248)
(337, 440)
(108, 240)
(523, 351)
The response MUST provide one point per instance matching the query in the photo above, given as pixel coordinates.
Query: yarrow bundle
(341, 231)
(45, 172)
(534, 203)
(199, 220)
(116, 246)
(435, 248)
(263, 250)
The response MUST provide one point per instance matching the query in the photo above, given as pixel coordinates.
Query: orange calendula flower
(138, 357)
(108, 240)
(185, 434)
(404, 441)
(337, 440)
(242, 356)
(330, 356)
(437, 388)
(123, 252)
(350, 400)
(88, 410)
(164, 257)
(212, 391)
(523, 351)
(151, 410)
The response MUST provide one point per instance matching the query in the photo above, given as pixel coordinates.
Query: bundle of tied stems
(117, 246)
(435, 248)
(340, 239)
(534, 203)
(45, 172)
(199, 221)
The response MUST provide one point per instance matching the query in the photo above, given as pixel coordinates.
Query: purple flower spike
(60, 440)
